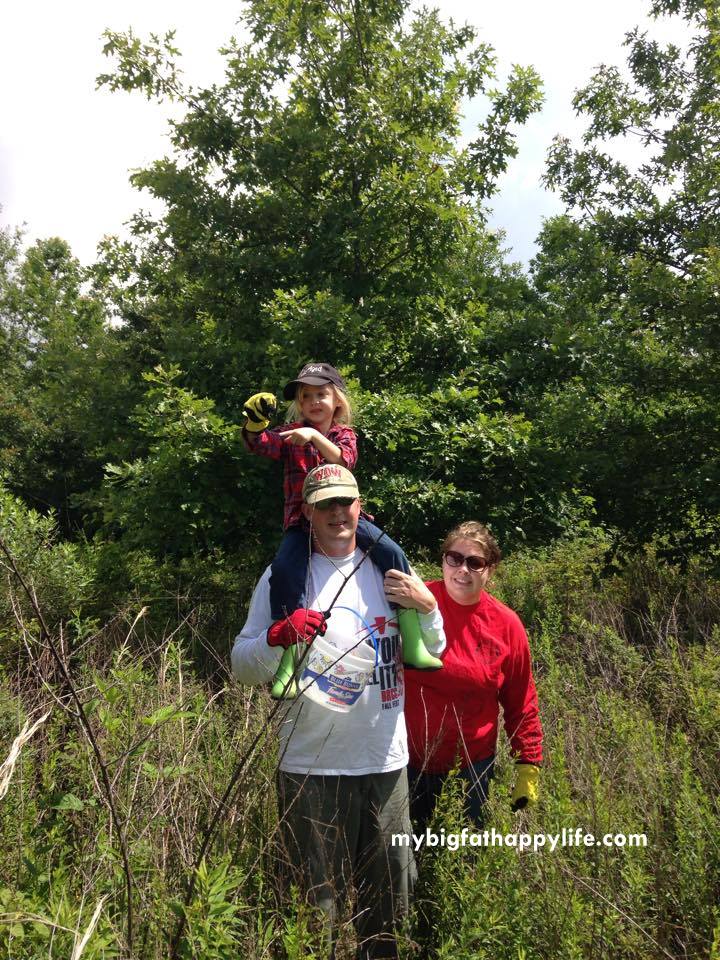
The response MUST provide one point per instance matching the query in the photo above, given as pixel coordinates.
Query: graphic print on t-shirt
(387, 673)
(371, 737)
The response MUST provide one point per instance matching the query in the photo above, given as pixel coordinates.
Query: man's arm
(253, 661)
(409, 591)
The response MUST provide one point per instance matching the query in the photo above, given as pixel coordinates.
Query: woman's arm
(519, 700)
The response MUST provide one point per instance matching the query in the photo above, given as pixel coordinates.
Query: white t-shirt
(371, 738)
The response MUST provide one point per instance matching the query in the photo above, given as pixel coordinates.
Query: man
(342, 780)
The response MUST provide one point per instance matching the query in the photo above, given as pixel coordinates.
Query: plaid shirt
(298, 460)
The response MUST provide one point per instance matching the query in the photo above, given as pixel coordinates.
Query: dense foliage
(323, 203)
(630, 286)
(62, 376)
(320, 204)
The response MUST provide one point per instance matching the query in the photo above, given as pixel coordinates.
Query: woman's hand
(408, 590)
(300, 435)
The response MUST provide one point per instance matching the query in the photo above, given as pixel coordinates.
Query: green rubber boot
(284, 686)
(414, 653)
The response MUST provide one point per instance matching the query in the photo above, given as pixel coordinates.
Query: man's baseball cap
(327, 481)
(315, 375)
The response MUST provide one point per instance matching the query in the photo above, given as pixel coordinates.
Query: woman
(452, 714)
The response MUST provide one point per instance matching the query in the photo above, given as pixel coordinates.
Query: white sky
(66, 149)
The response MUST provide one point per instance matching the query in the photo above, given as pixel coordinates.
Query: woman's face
(463, 584)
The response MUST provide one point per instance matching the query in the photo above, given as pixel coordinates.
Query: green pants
(337, 836)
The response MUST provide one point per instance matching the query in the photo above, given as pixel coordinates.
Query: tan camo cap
(327, 481)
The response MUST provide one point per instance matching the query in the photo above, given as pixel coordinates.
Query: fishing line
(300, 656)
(372, 631)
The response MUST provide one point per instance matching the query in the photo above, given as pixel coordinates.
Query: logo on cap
(330, 472)
(315, 375)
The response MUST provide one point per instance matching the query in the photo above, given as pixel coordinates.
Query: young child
(320, 433)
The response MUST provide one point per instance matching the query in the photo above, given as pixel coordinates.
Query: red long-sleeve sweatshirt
(455, 711)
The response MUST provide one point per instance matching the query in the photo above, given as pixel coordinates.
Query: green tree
(628, 282)
(12, 359)
(321, 203)
(61, 397)
(185, 438)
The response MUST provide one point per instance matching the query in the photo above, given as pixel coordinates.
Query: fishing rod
(235, 780)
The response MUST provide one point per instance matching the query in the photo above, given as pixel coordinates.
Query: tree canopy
(629, 282)
(323, 203)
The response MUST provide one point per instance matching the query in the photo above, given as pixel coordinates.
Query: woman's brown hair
(472, 530)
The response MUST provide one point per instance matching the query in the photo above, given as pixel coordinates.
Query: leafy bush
(59, 573)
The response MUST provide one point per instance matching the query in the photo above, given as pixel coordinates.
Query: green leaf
(68, 801)
(167, 712)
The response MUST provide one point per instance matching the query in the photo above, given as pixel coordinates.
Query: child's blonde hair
(343, 410)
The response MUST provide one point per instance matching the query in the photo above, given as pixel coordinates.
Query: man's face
(333, 525)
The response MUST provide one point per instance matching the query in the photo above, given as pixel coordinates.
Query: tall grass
(628, 669)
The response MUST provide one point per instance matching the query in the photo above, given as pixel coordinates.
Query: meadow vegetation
(628, 668)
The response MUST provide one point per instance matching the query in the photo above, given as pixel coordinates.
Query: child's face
(317, 405)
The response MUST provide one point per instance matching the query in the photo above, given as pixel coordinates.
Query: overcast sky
(66, 148)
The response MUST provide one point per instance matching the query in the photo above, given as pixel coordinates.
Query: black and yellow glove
(258, 410)
(527, 787)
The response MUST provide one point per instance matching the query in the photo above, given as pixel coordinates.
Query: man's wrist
(428, 611)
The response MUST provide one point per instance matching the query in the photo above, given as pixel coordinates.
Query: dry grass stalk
(8, 765)
(81, 944)
(17, 917)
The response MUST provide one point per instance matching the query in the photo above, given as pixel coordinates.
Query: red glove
(302, 625)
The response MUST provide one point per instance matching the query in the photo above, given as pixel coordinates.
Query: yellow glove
(258, 410)
(527, 786)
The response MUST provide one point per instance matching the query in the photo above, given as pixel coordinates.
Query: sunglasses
(475, 564)
(334, 502)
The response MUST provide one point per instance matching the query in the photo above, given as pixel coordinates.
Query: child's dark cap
(314, 375)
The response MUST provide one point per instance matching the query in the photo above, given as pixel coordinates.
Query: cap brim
(290, 388)
(332, 493)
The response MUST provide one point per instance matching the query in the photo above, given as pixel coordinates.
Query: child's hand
(300, 435)
(258, 410)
